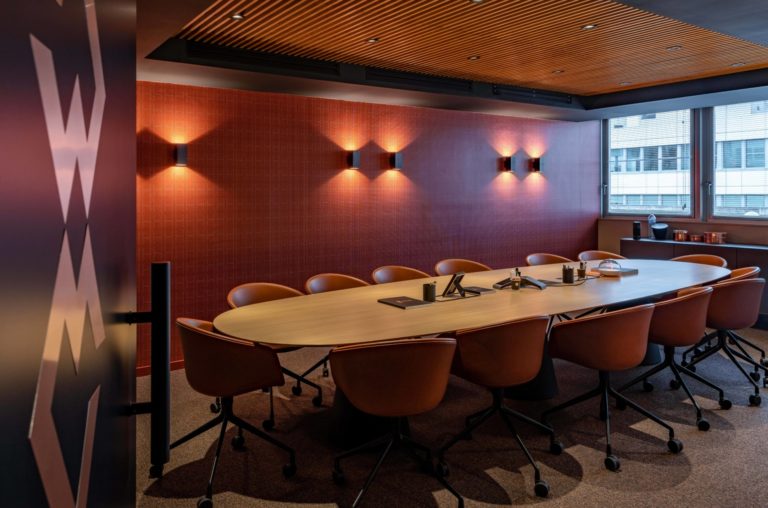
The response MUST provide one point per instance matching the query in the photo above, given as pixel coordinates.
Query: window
(651, 158)
(669, 157)
(740, 176)
(732, 154)
(755, 153)
(649, 167)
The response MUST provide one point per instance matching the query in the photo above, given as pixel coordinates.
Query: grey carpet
(723, 467)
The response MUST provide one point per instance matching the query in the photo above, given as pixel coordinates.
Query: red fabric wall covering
(265, 196)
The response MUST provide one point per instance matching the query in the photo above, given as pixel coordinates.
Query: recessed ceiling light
(591, 26)
(558, 71)
(238, 16)
(372, 40)
(738, 64)
(475, 1)
(674, 48)
(473, 57)
(625, 83)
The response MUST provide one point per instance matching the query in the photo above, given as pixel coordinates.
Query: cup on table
(567, 274)
(430, 292)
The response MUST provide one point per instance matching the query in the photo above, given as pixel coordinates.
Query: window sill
(690, 220)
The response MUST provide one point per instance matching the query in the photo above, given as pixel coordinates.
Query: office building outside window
(740, 178)
(649, 168)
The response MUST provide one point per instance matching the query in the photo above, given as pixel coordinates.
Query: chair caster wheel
(156, 471)
(442, 469)
(205, 502)
(326, 372)
(541, 488)
(268, 424)
(317, 400)
(697, 351)
(238, 442)
(647, 387)
(296, 390)
(755, 376)
(754, 400)
(621, 405)
(556, 447)
(702, 424)
(289, 470)
(612, 463)
(338, 477)
(215, 407)
(764, 362)
(674, 384)
(725, 404)
(692, 368)
(675, 445)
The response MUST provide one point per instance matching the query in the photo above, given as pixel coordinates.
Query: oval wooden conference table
(352, 316)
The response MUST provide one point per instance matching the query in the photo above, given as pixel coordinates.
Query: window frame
(606, 163)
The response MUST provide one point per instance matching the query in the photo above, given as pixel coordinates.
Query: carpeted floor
(723, 467)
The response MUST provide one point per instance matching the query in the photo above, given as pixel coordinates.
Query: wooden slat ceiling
(532, 43)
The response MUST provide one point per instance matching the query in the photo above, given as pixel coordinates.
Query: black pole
(160, 349)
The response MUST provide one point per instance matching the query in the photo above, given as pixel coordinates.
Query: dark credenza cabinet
(737, 255)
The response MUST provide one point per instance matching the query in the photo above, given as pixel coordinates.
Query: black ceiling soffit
(191, 52)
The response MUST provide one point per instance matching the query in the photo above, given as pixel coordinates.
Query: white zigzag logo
(71, 148)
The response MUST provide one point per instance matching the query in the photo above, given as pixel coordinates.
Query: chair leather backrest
(394, 273)
(702, 259)
(735, 304)
(257, 292)
(502, 355)
(611, 341)
(220, 366)
(324, 282)
(451, 266)
(594, 255)
(747, 272)
(543, 258)
(681, 321)
(394, 378)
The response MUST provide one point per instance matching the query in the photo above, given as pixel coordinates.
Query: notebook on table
(403, 302)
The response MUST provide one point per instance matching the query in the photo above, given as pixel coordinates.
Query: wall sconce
(180, 154)
(353, 159)
(508, 164)
(396, 160)
(534, 164)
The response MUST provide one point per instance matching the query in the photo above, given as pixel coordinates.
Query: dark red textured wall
(266, 196)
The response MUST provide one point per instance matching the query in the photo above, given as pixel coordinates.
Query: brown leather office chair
(702, 259)
(680, 322)
(735, 304)
(324, 282)
(258, 292)
(543, 258)
(394, 273)
(364, 373)
(608, 342)
(597, 255)
(221, 366)
(451, 266)
(746, 272)
(497, 357)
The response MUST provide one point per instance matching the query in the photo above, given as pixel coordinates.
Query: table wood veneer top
(352, 316)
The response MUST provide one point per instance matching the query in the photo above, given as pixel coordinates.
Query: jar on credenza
(714, 237)
(680, 235)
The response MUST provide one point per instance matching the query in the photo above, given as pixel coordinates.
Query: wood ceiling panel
(519, 42)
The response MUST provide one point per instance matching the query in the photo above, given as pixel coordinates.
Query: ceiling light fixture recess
(475, 1)
(372, 40)
(558, 71)
(674, 48)
(625, 83)
(738, 64)
(238, 16)
(473, 57)
(590, 26)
